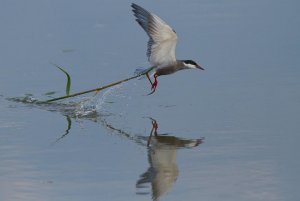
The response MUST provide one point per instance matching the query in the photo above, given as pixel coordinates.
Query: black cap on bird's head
(191, 64)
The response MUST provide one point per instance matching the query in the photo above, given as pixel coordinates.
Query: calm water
(230, 132)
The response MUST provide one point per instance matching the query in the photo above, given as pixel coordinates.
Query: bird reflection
(163, 170)
(162, 148)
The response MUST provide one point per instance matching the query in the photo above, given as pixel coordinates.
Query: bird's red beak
(199, 67)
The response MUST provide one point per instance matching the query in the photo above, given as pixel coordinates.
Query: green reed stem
(100, 88)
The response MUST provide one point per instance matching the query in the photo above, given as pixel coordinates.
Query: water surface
(230, 132)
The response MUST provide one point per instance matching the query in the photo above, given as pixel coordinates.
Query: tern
(160, 52)
(161, 46)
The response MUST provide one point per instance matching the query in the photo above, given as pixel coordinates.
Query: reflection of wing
(162, 173)
(163, 170)
(163, 161)
(162, 38)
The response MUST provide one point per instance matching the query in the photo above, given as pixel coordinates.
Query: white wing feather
(163, 39)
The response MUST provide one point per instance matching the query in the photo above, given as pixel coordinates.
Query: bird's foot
(154, 85)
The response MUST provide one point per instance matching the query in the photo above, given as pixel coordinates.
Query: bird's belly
(166, 70)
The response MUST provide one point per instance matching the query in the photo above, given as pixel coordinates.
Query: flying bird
(161, 46)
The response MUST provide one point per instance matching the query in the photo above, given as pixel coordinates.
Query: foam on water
(28, 98)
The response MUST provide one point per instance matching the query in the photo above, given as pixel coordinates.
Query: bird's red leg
(154, 85)
(155, 126)
(153, 131)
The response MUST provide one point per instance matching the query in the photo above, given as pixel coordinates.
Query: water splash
(98, 102)
(85, 107)
(105, 98)
(118, 105)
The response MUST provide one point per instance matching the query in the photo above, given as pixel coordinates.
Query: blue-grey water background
(246, 104)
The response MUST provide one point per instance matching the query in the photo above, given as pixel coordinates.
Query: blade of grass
(68, 85)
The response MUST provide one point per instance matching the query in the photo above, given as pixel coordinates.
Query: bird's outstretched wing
(162, 38)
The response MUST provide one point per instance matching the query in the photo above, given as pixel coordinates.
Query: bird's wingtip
(135, 6)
